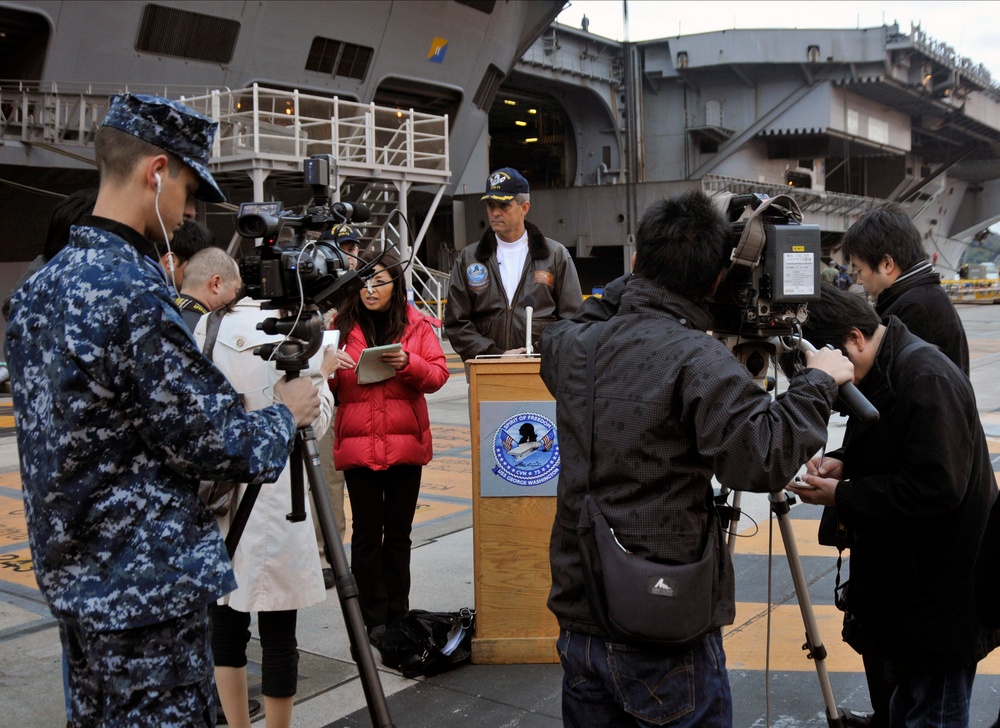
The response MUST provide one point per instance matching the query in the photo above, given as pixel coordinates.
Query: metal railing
(429, 286)
(253, 122)
(429, 290)
(808, 200)
(372, 142)
(64, 113)
(265, 122)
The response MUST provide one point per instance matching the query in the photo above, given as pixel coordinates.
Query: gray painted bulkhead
(755, 105)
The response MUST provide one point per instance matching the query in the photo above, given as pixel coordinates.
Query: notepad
(371, 369)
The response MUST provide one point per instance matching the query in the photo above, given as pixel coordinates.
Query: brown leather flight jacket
(478, 320)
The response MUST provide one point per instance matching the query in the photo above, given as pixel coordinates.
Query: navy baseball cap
(504, 184)
(343, 233)
(173, 127)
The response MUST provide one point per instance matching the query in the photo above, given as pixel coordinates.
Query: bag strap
(212, 326)
(589, 373)
(904, 353)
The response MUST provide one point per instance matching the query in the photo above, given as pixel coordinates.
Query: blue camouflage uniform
(118, 417)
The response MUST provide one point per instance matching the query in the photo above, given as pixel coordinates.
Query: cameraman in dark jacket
(672, 407)
(914, 490)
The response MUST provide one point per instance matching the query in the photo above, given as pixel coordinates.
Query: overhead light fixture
(509, 102)
(530, 139)
(521, 123)
(532, 111)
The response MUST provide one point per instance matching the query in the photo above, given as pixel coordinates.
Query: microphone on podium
(529, 307)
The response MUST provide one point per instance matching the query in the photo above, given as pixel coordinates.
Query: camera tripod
(304, 337)
(755, 355)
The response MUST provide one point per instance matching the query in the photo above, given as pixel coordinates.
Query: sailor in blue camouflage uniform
(119, 416)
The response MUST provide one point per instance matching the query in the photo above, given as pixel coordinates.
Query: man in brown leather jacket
(513, 266)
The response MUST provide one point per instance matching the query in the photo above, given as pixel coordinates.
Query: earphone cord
(166, 238)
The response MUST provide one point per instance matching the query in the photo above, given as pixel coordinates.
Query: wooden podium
(510, 536)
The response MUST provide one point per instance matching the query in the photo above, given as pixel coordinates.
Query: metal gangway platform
(378, 155)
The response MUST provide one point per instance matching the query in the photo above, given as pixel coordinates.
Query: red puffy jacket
(386, 423)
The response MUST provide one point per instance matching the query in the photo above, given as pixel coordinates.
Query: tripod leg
(814, 644)
(347, 588)
(734, 519)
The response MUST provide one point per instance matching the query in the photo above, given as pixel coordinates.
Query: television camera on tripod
(758, 311)
(305, 279)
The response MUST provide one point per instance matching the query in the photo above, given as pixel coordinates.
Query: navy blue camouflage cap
(503, 184)
(173, 127)
(343, 233)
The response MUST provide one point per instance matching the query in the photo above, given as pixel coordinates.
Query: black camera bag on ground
(413, 644)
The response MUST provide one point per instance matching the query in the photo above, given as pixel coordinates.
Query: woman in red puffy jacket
(382, 436)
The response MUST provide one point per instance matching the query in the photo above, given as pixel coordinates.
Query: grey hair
(522, 197)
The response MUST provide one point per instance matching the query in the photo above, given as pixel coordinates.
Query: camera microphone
(354, 211)
(529, 308)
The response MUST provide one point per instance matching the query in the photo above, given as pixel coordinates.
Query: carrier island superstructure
(416, 101)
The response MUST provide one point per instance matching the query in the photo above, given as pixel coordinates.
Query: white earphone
(157, 175)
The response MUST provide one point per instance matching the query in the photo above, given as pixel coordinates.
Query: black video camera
(774, 270)
(299, 272)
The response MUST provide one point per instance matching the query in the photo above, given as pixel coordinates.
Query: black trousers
(879, 688)
(279, 665)
(382, 506)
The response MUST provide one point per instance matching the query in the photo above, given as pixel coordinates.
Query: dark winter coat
(918, 486)
(672, 407)
(920, 302)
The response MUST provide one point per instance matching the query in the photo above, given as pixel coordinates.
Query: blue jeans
(939, 700)
(608, 684)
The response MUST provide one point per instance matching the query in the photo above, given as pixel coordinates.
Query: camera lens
(256, 225)
(329, 258)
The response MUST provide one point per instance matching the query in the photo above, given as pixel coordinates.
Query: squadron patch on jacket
(545, 278)
(478, 276)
